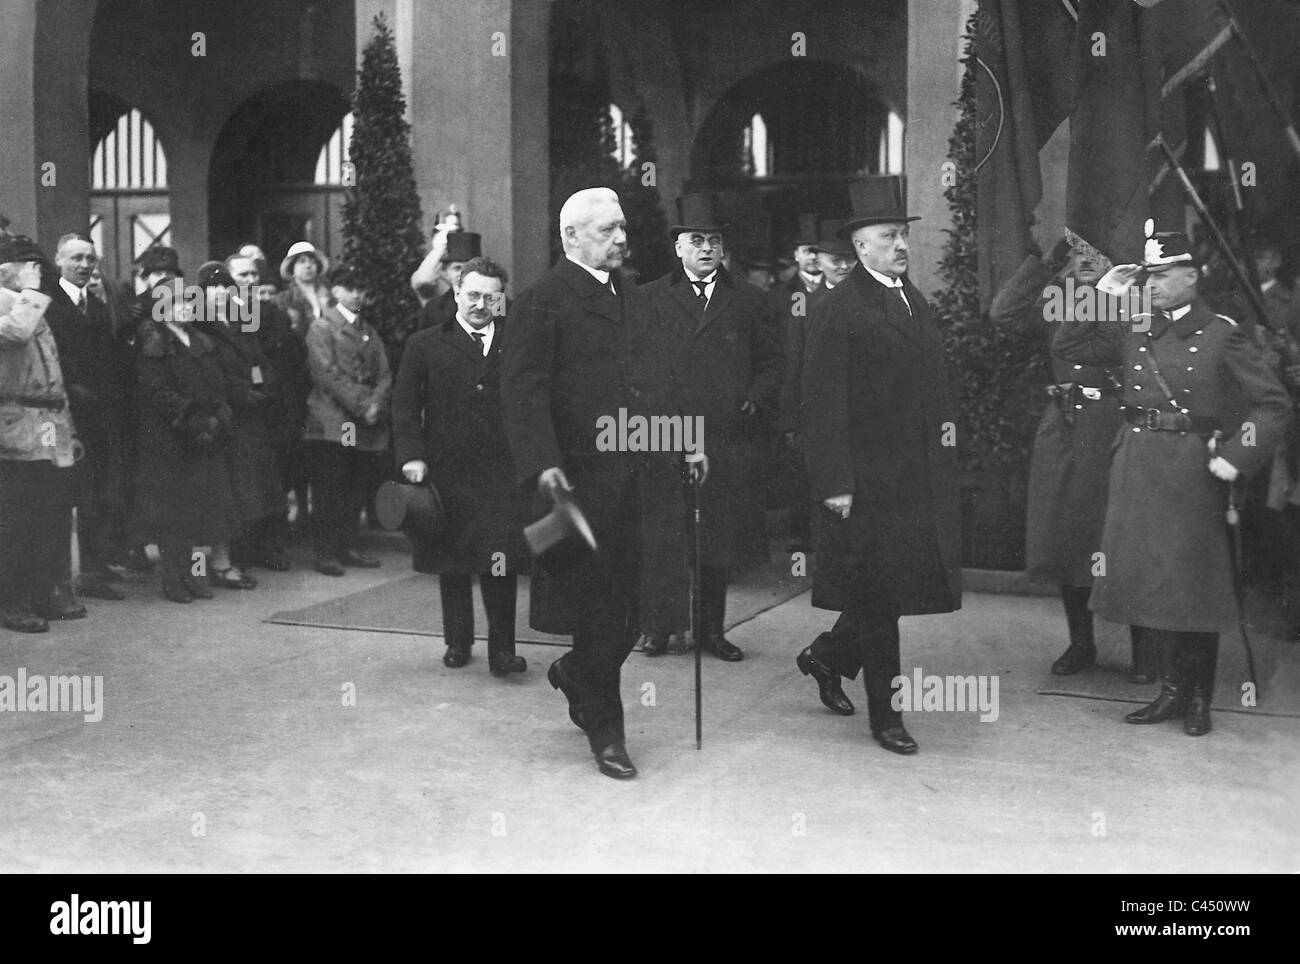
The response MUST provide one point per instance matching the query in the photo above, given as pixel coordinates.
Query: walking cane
(695, 610)
(1233, 517)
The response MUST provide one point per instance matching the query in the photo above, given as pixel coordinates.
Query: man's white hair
(577, 210)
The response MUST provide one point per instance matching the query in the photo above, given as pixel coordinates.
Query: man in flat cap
(732, 359)
(583, 348)
(878, 430)
(1202, 410)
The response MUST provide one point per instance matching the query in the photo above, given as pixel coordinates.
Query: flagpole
(1288, 126)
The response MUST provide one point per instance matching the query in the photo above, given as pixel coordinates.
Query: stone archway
(262, 185)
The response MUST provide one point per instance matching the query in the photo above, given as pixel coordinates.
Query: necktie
(700, 287)
(479, 337)
(907, 304)
(81, 301)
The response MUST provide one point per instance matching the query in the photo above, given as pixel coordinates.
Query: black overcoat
(252, 386)
(447, 412)
(577, 354)
(878, 422)
(729, 353)
(183, 487)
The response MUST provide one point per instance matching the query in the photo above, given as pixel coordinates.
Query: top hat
(807, 233)
(302, 247)
(830, 239)
(415, 509)
(158, 257)
(213, 274)
(19, 248)
(563, 521)
(875, 200)
(463, 246)
(695, 212)
(1166, 249)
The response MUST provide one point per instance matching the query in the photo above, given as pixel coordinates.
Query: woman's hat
(298, 248)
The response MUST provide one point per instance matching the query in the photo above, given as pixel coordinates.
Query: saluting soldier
(731, 361)
(1070, 463)
(1201, 408)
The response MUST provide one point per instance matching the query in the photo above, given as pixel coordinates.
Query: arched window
(758, 152)
(334, 155)
(624, 150)
(129, 157)
(891, 145)
(129, 205)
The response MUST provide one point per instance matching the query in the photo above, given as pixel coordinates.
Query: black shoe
(723, 648)
(503, 664)
(60, 604)
(828, 682)
(22, 620)
(358, 560)
(896, 739)
(1169, 705)
(560, 680)
(96, 587)
(455, 657)
(176, 592)
(613, 761)
(194, 586)
(329, 566)
(1197, 722)
(1076, 658)
(655, 644)
(1142, 670)
(273, 559)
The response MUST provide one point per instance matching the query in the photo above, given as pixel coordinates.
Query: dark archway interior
(269, 143)
(824, 124)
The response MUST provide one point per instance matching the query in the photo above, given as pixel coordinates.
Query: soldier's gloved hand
(552, 479)
(1223, 469)
(841, 505)
(414, 471)
(1119, 279)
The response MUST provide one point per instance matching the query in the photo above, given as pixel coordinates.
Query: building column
(934, 48)
(18, 144)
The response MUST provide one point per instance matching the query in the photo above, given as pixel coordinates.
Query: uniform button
(1137, 388)
(1142, 348)
(1198, 332)
(479, 387)
(1137, 368)
(1077, 367)
(1190, 368)
(1192, 349)
(1136, 429)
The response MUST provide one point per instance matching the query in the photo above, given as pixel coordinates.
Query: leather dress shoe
(195, 587)
(503, 664)
(23, 620)
(828, 682)
(96, 587)
(560, 680)
(358, 560)
(176, 592)
(613, 761)
(1197, 722)
(896, 739)
(655, 644)
(723, 648)
(1076, 658)
(1169, 705)
(329, 566)
(455, 657)
(60, 604)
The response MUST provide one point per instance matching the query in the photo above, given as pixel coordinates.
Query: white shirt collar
(885, 279)
(489, 331)
(601, 276)
(812, 280)
(1179, 312)
(708, 279)
(73, 291)
(349, 316)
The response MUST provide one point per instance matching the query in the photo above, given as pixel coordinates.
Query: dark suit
(731, 352)
(447, 413)
(876, 409)
(97, 394)
(578, 353)
(793, 302)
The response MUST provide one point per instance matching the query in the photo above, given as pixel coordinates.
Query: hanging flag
(1024, 85)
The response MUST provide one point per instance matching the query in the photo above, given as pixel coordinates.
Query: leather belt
(27, 401)
(1161, 421)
